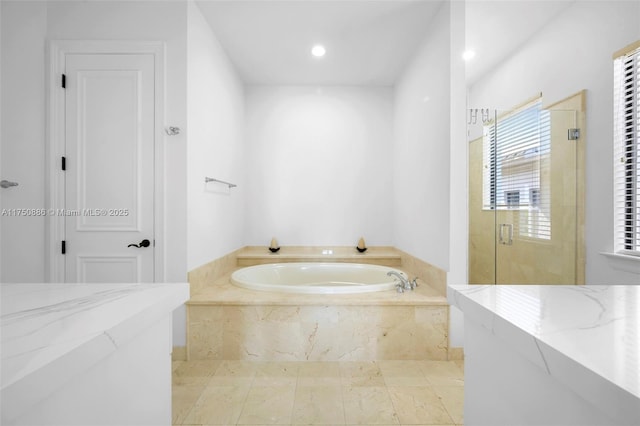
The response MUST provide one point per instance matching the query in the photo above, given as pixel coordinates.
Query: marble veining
(587, 337)
(67, 307)
(317, 333)
(43, 322)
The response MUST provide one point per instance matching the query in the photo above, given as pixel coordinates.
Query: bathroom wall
(26, 26)
(23, 30)
(1, 135)
(421, 149)
(215, 113)
(430, 149)
(319, 165)
(458, 182)
(571, 53)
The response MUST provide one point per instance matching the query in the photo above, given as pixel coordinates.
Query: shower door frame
(577, 103)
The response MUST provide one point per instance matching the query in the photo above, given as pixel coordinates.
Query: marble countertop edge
(592, 386)
(27, 390)
(55, 362)
(45, 325)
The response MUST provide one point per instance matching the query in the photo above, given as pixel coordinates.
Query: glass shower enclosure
(524, 195)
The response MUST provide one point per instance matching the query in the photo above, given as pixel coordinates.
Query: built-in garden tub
(342, 307)
(317, 278)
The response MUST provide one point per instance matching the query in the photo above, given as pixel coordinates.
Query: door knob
(143, 243)
(8, 184)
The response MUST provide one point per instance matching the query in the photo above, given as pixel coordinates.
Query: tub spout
(404, 283)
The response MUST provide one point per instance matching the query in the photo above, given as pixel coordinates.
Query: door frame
(55, 145)
(578, 102)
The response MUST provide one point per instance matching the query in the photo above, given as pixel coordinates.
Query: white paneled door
(109, 168)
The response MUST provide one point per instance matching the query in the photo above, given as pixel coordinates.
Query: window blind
(626, 115)
(516, 152)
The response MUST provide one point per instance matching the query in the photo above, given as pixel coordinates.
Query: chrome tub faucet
(404, 283)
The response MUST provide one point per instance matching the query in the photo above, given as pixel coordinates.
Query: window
(516, 153)
(626, 117)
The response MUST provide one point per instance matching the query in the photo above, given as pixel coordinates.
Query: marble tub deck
(223, 292)
(385, 256)
(226, 322)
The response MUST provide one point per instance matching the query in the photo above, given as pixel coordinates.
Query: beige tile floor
(318, 393)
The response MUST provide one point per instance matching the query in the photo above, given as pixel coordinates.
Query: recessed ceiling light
(468, 54)
(318, 51)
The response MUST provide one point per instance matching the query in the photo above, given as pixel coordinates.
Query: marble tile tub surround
(379, 255)
(228, 322)
(428, 274)
(329, 393)
(317, 332)
(206, 274)
(585, 337)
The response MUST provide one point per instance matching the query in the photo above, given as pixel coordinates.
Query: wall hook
(473, 116)
(485, 116)
(172, 131)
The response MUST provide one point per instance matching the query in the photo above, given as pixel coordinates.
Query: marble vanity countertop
(586, 337)
(51, 332)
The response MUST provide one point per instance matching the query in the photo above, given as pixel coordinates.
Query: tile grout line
(246, 397)
(195, 403)
(295, 394)
(396, 415)
(200, 396)
(393, 405)
(445, 406)
(342, 386)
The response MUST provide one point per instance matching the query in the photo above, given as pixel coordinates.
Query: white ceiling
(496, 29)
(369, 42)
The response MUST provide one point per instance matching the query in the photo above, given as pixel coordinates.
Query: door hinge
(64, 247)
(64, 81)
(64, 163)
(573, 134)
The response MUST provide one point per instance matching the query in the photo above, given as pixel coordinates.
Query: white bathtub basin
(316, 278)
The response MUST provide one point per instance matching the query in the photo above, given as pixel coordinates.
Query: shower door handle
(505, 228)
